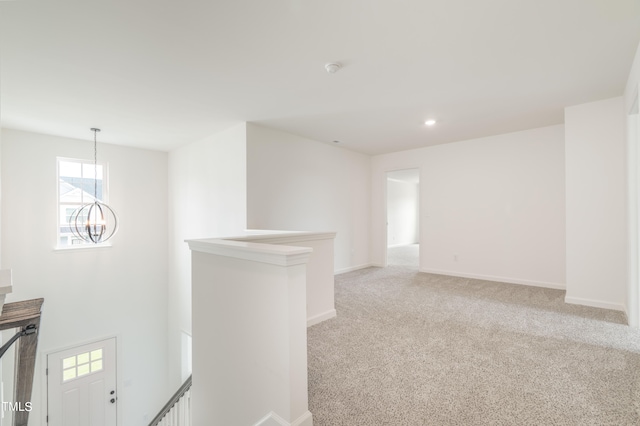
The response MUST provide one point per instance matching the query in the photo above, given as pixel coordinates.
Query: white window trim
(80, 247)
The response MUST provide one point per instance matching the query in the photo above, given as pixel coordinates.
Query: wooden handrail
(175, 398)
(21, 315)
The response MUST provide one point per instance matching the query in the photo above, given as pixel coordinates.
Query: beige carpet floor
(404, 256)
(410, 348)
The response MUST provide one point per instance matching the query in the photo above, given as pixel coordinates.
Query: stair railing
(25, 316)
(176, 412)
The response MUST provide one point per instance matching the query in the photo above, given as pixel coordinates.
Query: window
(76, 187)
(81, 365)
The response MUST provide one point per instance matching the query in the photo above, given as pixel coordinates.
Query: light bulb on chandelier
(94, 222)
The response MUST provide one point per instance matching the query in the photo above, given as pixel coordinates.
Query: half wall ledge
(286, 248)
(250, 331)
(263, 253)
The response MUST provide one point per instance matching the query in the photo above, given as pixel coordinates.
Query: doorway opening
(403, 223)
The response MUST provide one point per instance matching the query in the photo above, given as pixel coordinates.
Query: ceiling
(159, 74)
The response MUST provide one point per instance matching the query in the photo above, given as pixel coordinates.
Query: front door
(81, 385)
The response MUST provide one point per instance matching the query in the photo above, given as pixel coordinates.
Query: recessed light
(430, 122)
(333, 67)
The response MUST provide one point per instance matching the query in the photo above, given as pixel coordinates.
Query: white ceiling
(159, 74)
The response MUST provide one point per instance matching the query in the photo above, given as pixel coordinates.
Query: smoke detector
(332, 67)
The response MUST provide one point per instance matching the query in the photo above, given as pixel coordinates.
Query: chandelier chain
(94, 222)
(95, 164)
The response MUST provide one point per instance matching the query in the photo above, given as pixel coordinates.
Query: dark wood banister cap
(20, 314)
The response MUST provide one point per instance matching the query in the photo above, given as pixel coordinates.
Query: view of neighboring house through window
(76, 188)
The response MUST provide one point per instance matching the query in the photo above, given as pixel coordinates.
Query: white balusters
(180, 413)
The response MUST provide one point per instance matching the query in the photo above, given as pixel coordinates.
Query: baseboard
(272, 419)
(626, 314)
(316, 319)
(595, 303)
(556, 286)
(352, 268)
(304, 420)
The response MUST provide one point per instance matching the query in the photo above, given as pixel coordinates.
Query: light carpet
(404, 256)
(410, 348)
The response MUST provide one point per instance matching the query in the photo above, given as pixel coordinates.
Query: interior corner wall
(92, 293)
(1, 340)
(207, 198)
(294, 183)
(633, 218)
(595, 149)
(490, 208)
(633, 81)
(402, 213)
(631, 95)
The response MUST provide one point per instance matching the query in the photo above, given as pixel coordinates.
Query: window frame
(104, 199)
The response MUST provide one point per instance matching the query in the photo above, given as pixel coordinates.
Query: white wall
(595, 144)
(402, 213)
(0, 223)
(633, 187)
(298, 184)
(631, 89)
(250, 335)
(92, 293)
(207, 198)
(497, 203)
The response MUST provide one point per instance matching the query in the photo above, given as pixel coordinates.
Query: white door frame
(385, 198)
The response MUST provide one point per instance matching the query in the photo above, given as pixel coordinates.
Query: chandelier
(94, 222)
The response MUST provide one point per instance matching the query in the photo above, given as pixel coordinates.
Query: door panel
(71, 408)
(97, 392)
